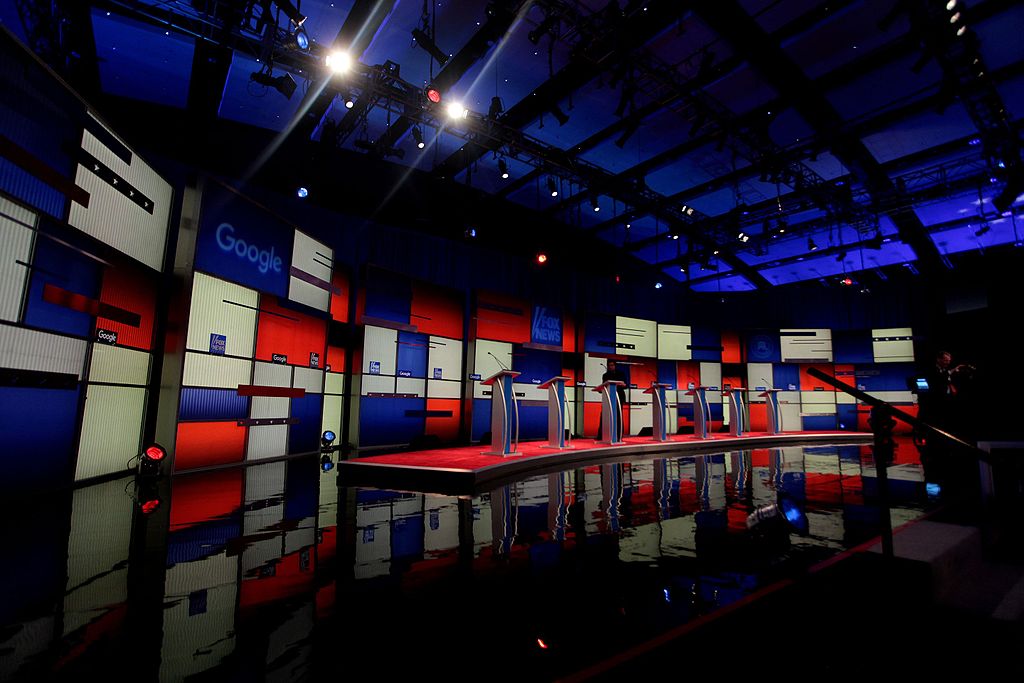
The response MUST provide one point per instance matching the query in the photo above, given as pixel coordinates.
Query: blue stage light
(326, 464)
(302, 192)
(327, 438)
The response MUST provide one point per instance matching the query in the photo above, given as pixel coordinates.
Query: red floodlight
(156, 453)
(434, 95)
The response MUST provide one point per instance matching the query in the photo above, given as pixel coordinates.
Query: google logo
(266, 260)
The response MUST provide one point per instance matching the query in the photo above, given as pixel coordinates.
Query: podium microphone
(497, 359)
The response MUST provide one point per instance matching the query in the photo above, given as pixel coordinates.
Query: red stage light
(847, 281)
(150, 505)
(155, 453)
(542, 257)
(542, 644)
(434, 95)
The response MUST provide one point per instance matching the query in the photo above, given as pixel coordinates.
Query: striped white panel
(638, 396)
(100, 536)
(894, 396)
(302, 537)
(111, 429)
(817, 397)
(445, 536)
(711, 376)
(530, 392)
(818, 409)
(15, 245)
(812, 345)
(641, 334)
(202, 370)
(23, 349)
(843, 397)
(259, 553)
(411, 385)
(674, 342)
(118, 365)
(334, 383)
(443, 389)
(790, 413)
(196, 642)
(758, 375)
(267, 442)
(641, 416)
(268, 406)
(373, 541)
(892, 344)
(272, 375)
(726, 413)
(332, 415)
(446, 354)
(264, 483)
(113, 218)
(380, 344)
(375, 384)
(485, 366)
(593, 369)
(314, 258)
(328, 510)
(310, 379)
(210, 314)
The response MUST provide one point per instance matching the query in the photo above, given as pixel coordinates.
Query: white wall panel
(444, 389)
(486, 366)
(806, 345)
(817, 397)
(272, 375)
(23, 349)
(263, 483)
(193, 643)
(334, 383)
(15, 245)
(446, 354)
(381, 345)
(316, 259)
(441, 512)
(641, 416)
(332, 414)
(640, 334)
(376, 384)
(111, 429)
(118, 365)
(758, 375)
(530, 392)
(310, 379)
(593, 368)
(674, 342)
(416, 386)
(892, 344)
(267, 442)
(263, 407)
(894, 396)
(210, 314)
(202, 370)
(304, 536)
(711, 376)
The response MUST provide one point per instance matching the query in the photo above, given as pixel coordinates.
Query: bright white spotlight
(339, 62)
(457, 111)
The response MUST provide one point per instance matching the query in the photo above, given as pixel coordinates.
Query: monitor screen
(921, 383)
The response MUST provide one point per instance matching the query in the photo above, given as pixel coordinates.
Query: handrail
(896, 412)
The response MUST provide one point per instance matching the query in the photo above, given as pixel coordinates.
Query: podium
(504, 413)
(739, 418)
(771, 398)
(556, 411)
(611, 411)
(701, 411)
(660, 410)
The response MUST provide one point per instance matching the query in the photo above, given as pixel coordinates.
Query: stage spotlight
(542, 258)
(284, 83)
(784, 511)
(327, 438)
(657, 285)
(469, 233)
(457, 111)
(593, 203)
(428, 44)
(151, 461)
(326, 463)
(951, 4)
(292, 12)
(503, 169)
(811, 245)
(349, 102)
(302, 192)
(496, 107)
(434, 95)
(552, 187)
(339, 62)
(299, 40)
(417, 135)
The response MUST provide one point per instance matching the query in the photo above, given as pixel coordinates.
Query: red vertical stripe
(568, 333)
(687, 371)
(731, 347)
(286, 331)
(445, 428)
(339, 297)
(434, 311)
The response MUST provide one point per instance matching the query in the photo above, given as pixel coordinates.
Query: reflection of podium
(771, 398)
(701, 411)
(739, 419)
(660, 411)
(611, 411)
(504, 413)
(556, 411)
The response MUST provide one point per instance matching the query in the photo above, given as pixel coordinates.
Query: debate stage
(469, 470)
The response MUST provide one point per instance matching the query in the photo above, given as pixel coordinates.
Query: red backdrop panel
(502, 318)
(339, 297)
(436, 312)
(445, 428)
(808, 383)
(731, 347)
(201, 444)
(129, 289)
(687, 371)
(283, 330)
(201, 497)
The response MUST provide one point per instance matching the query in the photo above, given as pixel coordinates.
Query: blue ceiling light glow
(657, 285)
(302, 192)
(974, 141)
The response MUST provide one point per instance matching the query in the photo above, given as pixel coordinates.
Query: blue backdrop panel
(213, 404)
(819, 422)
(717, 411)
(884, 376)
(667, 372)
(785, 376)
(388, 296)
(537, 366)
(382, 421)
(852, 346)
(763, 347)
(686, 410)
(847, 414)
(37, 445)
(533, 422)
(600, 334)
(706, 344)
(412, 354)
(22, 185)
(305, 436)
(481, 417)
(407, 537)
(301, 490)
(66, 268)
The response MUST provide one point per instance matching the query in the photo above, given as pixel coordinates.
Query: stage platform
(469, 470)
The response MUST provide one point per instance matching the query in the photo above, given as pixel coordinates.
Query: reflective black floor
(280, 572)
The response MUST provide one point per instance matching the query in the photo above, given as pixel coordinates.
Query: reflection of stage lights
(326, 463)
(784, 511)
